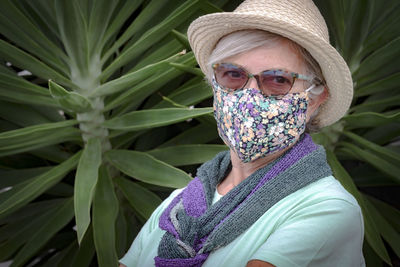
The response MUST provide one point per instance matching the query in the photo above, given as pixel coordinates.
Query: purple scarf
(194, 228)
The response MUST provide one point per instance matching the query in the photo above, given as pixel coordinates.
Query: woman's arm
(258, 263)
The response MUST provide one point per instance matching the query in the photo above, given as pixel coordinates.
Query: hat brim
(206, 31)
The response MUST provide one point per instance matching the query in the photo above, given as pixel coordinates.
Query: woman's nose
(253, 83)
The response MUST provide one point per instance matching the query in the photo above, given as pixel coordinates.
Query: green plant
(364, 151)
(98, 146)
(120, 75)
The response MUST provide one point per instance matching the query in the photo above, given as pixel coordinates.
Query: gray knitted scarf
(194, 227)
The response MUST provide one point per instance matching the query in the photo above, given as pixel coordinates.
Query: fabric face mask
(254, 125)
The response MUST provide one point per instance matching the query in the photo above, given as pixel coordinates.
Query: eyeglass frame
(314, 81)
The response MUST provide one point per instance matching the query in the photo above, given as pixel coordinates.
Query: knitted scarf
(194, 228)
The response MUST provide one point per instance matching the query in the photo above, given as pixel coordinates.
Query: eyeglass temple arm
(307, 78)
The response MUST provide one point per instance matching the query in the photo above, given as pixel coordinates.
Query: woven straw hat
(298, 20)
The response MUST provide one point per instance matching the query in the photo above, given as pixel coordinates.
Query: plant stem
(91, 122)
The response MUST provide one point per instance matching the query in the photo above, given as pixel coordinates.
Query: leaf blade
(369, 119)
(105, 211)
(85, 182)
(187, 154)
(59, 219)
(145, 119)
(21, 195)
(141, 199)
(146, 168)
(69, 100)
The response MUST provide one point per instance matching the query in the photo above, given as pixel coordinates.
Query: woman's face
(278, 56)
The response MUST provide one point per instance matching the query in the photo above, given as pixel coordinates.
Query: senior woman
(271, 200)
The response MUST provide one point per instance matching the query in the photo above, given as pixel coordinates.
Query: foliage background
(86, 157)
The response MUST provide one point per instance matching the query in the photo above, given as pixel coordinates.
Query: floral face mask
(254, 125)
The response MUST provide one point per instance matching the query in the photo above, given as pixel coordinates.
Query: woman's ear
(316, 101)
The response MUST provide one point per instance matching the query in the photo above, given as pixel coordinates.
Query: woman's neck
(241, 171)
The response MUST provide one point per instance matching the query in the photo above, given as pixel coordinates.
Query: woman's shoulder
(325, 199)
(328, 188)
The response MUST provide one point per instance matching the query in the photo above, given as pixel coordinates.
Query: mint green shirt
(318, 225)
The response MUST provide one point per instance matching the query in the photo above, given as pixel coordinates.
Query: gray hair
(245, 40)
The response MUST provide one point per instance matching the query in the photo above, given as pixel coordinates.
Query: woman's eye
(233, 74)
(281, 79)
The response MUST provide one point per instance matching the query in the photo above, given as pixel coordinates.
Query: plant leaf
(379, 150)
(128, 80)
(26, 98)
(145, 119)
(15, 176)
(85, 251)
(85, 182)
(187, 154)
(53, 224)
(18, 232)
(386, 84)
(369, 119)
(72, 27)
(57, 136)
(98, 21)
(387, 231)
(9, 136)
(25, 61)
(159, 53)
(146, 168)
(376, 103)
(379, 64)
(33, 137)
(105, 211)
(144, 18)
(357, 28)
(188, 69)
(69, 100)
(199, 134)
(391, 214)
(135, 95)
(189, 95)
(123, 14)
(9, 80)
(23, 193)
(19, 28)
(141, 199)
(152, 36)
(182, 38)
(386, 26)
(383, 165)
(21, 115)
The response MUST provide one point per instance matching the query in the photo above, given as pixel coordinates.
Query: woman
(271, 200)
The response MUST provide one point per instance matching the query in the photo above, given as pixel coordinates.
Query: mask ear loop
(315, 89)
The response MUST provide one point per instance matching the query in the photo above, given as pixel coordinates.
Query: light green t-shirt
(318, 225)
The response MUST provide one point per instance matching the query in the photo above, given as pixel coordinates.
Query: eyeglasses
(273, 82)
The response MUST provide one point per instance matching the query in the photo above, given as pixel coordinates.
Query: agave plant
(101, 102)
(363, 147)
(80, 83)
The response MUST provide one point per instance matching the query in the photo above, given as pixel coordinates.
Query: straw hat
(298, 20)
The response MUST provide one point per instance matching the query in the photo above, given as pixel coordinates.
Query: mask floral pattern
(254, 125)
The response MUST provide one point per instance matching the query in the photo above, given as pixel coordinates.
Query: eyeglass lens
(272, 82)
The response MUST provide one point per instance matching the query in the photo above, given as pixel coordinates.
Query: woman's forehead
(281, 55)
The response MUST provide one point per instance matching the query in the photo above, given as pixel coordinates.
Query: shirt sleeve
(133, 254)
(329, 233)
